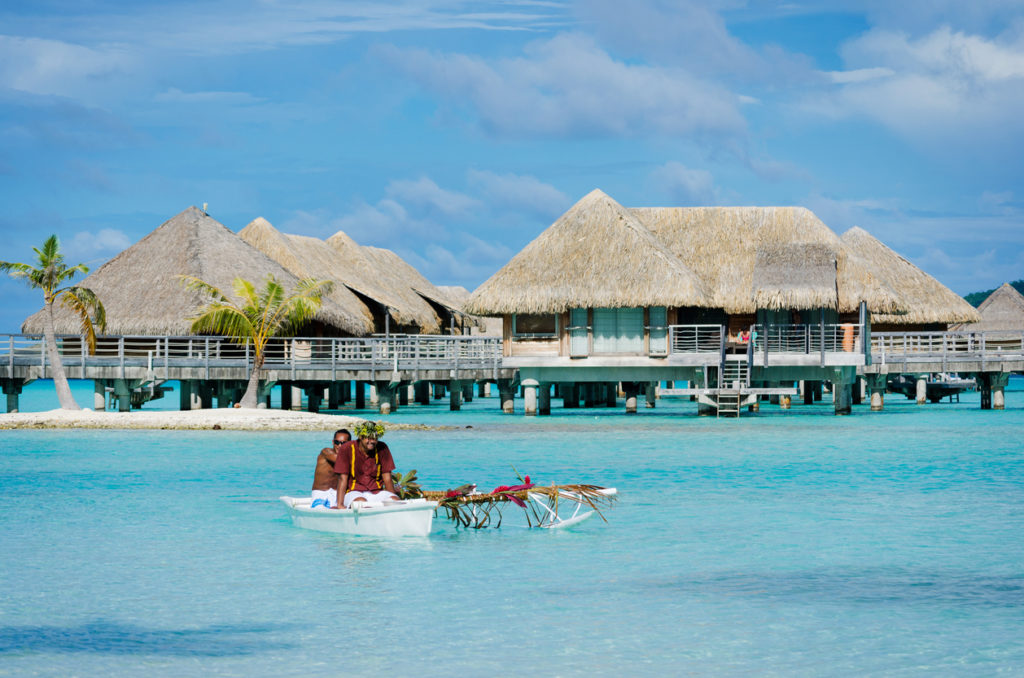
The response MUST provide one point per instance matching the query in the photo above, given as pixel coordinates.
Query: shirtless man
(325, 480)
(364, 468)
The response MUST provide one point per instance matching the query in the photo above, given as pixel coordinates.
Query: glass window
(618, 330)
(535, 325)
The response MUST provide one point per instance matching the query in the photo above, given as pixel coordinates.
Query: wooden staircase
(735, 377)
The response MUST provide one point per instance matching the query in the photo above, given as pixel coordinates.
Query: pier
(722, 374)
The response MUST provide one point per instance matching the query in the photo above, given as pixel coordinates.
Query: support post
(481, 389)
(286, 395)
(530, 397)
(544, 403)
(876, 385)
(296, 398)
(570, 395)
(631, 389)
(124, 395)
(985, 388)
(467, 391)
(506, 395)
(360, 395)
(842, 391)
(651, 393)
(922, 389)
(785, 401)
(422, 396)
(999, 382)
(380, 397)
(808, 391)
(99, 395)
(184, 394)
(611, 393)
(314, 396)
(454, 395)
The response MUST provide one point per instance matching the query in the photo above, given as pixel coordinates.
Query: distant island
(975, 298)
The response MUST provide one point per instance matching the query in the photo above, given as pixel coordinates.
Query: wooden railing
(395, 352)
(946, 346)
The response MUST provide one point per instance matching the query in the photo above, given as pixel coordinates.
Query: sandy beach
(236, 419)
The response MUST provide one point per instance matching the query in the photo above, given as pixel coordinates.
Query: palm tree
(261, 315)
(48, 274)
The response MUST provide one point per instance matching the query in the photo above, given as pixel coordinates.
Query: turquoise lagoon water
(788, 544)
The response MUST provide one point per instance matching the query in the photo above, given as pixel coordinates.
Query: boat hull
(410, 518)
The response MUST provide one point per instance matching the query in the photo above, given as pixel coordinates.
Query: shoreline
(227, 419)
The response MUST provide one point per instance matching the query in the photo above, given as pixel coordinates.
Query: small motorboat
(408, 518)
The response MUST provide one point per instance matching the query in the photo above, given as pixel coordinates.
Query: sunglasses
(340, 442)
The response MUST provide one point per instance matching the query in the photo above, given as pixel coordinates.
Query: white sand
(237, 419)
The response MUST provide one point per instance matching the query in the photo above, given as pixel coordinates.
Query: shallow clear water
(790, 544)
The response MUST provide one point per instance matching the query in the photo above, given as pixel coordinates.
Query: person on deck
(364, 468)
(325, 480)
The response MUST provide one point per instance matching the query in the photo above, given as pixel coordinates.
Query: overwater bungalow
(389, 307)
(145, 300)
(142, 291)
(928, 305)
(639, 296)
(399, 274)
(1001, 311)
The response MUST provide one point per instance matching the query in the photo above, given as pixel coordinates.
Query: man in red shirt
(364, 468)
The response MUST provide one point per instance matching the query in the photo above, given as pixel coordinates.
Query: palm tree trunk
(60, 380)
(252, 390)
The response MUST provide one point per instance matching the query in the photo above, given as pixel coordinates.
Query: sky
(455, 132)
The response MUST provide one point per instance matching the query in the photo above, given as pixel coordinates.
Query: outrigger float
(548, 507)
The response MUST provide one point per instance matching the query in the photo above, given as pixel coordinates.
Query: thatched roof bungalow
(402, 274)
(606, 269)
(1001, 310)
(143, 295)
(928, 304)
(311, 257)
(362, 274)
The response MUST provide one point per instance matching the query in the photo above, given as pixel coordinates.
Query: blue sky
(455, 132)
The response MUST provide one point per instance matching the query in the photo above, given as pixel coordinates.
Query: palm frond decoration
(470, 509)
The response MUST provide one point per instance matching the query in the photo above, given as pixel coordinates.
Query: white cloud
(89, 246)
(686, 186)
(175, 95)
(946, 87)
(859, 75)
(519, 192)
(568, 86)
(53, 67)
(425, 194)
(382, 224)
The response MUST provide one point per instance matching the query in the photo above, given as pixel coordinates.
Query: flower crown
(369, 428)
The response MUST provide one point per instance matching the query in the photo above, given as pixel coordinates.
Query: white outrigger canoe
(409, 518)
(414, 517)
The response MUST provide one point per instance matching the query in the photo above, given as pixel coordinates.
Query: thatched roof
(776, 287)
(926, 299)
(142, 293)
(406, 274)
(596, 255)
(1001, 310)
(724, 246)
(390, 287)
(305, 258)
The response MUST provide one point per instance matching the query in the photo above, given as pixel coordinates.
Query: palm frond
(84, 303)
(193, 283)
(226, 320)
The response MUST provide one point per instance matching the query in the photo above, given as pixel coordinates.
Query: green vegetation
(261, 315)
(48, 274)
(975, 298)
